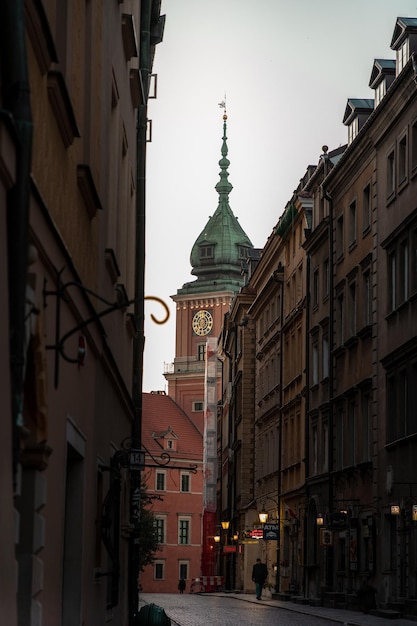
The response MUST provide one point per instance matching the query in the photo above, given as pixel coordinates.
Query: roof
(403, 26)
(380, 69)
(162, 417)
(222, 246)
(356, 106)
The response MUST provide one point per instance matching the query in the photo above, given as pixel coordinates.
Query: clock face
(202, 323)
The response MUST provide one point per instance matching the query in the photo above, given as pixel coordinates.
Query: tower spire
(224, 187)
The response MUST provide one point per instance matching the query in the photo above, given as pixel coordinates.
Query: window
(315, 380)
(352, 309)
(401, 396)
(198, 406)
(366, 420)
(340, 322)
(206, 252)
(366, 208)
(315, 287)
(392, 281)
(402, 56)
(414, 146)
(326, 278)
(390, 174)
(170, 444)
(353, 130)
(352, 223)
(185, 482)
(159, 570)
(339, 237)
(325, 445)
(183, 531)
(201, 352)
(325, 356)
(403, 272)
(367, 299)
(243, 252)
(160, 481)
(380, 92)
(339, 438)
(351, 433)
(183, 570)
(402, 160)
(315, 450)
(160, 529)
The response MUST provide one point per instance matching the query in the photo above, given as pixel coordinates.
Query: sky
(286, 69)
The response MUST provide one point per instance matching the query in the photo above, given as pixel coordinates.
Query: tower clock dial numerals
(202, 323)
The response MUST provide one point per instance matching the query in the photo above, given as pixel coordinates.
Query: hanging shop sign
(271, 532)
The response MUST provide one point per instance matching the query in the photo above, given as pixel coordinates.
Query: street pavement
(229, 609)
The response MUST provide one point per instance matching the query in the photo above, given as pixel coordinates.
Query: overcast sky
(287, 68)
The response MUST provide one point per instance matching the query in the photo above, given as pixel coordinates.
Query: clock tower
(217, 257)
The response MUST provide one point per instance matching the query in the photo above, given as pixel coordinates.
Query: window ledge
(88, 189)
(351, 342)
(339, 350)
(365, 331)
(40, 35)
(111, 264)
(62, 107)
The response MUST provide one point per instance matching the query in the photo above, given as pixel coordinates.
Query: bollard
(152, 615)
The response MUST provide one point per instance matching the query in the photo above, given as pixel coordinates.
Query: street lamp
(225, 525)
(263, 516)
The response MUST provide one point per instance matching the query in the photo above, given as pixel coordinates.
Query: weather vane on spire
(222, 105)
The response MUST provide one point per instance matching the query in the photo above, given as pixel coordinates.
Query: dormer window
(402, 56)
(243, 252)
(206, 252)
(170, 444)
(382, 76)
(357, 112)
(352, 130)
(380, 92)
(404, 40)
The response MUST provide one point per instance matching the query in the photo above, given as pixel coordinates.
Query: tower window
(206, 252)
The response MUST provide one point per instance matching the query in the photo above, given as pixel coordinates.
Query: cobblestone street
(213, 610)
(230, 609)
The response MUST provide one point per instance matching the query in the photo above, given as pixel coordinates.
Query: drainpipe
(16, 102)
(139, 312)
(329, 582)
(307, 414)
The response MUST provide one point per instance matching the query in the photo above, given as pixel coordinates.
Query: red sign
(229, 549)
(257, 533)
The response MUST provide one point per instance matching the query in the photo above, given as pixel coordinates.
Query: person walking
(181, 585)
(259, 576)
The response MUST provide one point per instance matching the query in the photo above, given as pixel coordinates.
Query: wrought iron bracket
(61, 294)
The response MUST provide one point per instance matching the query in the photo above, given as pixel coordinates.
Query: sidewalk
(345, 617)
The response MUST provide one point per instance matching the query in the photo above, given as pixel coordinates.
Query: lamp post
(226, 556)
(263, 516)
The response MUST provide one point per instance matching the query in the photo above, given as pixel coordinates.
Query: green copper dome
(222, 246)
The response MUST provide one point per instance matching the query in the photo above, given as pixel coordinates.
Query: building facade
(333, 318)
(174, 478)
(195, 377)
(75, 80)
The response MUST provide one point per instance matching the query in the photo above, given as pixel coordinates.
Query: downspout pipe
(15, 101)
(139, 309)
(329, 199)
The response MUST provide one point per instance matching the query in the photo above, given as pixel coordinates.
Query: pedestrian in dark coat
(259, 576)
(181, 585)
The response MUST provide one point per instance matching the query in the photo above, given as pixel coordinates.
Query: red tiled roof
(159, 414)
